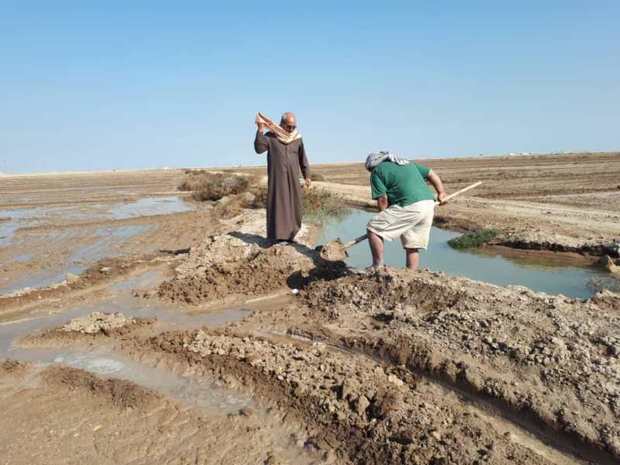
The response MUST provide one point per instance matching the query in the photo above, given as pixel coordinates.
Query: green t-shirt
(403, 184)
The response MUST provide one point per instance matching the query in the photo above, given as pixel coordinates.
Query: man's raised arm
(261, 143)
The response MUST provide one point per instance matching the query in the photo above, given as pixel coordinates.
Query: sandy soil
(323, 364)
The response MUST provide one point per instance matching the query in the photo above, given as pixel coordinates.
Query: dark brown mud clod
(333, 251)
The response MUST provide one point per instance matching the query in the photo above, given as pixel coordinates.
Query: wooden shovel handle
(357, 240)
(459, 192)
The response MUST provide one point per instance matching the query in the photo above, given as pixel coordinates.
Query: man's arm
(261, 142)
(378, 190)
(304, 166)
(438, 185)
(382, 203)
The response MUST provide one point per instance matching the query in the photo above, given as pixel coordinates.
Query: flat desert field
(139, 325)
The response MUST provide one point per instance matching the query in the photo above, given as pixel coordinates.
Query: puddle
(22, 217)
(551, 279)
(107, 245)
(195, 392)
(26, 257)
(11, 332)
(119, 299)
(204, 394)
(13, 219)
(150, 206)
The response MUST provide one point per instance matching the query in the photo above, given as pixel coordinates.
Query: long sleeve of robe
(286, 163)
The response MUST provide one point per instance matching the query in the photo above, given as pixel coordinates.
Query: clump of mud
(607, 300)
(102, 323)
(122, 394)
(85, 329)
(333, 251)
(13, 367)
(241, 263)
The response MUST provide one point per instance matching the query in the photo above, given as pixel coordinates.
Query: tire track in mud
(497, 416)
(144, 395)
(524, 428)
(368, 412)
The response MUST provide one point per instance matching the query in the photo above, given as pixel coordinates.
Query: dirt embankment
(549, 361)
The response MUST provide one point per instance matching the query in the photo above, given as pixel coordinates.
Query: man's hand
(259, 124)
(307, 183)
(382, 203)
(441, 197)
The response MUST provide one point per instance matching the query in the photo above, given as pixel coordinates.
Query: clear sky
(131, 84)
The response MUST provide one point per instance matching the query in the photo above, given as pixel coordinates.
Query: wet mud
(142, 359)
(242, 262)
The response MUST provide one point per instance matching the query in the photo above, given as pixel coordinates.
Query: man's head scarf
(375, 158)
(282, 135)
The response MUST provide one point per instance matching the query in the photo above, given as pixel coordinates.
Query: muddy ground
(194, 341)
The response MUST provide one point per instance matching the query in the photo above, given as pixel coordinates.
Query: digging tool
(336, 250)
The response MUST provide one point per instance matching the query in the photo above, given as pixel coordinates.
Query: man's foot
(375, 269)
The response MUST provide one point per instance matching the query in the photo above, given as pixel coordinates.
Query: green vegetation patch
(474, 239)
(319, 204)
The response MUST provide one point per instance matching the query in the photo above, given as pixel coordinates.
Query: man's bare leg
(413, 258)
(376, 248)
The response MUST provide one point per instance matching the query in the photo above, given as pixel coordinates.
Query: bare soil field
(139, 326)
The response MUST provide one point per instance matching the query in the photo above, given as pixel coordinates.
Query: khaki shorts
(411, 223)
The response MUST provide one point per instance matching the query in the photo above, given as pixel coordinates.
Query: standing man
(286, 161)
(406, 203)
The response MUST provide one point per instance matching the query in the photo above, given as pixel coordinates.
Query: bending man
(286, 161)
(405, 202)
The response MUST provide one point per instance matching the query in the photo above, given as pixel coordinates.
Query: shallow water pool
(552, 279)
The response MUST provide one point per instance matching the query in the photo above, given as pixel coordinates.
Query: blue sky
(101, 85)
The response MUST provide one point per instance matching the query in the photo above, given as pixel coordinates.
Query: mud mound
(259, 273)
(241, 263)
(369, 414)
(378, 291)
(122, 394)
(102, 323)
(607, 300)
(86, 329)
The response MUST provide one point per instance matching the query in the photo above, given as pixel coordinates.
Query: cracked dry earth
(390, 367)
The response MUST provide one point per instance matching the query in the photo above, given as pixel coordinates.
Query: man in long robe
(286, 164)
